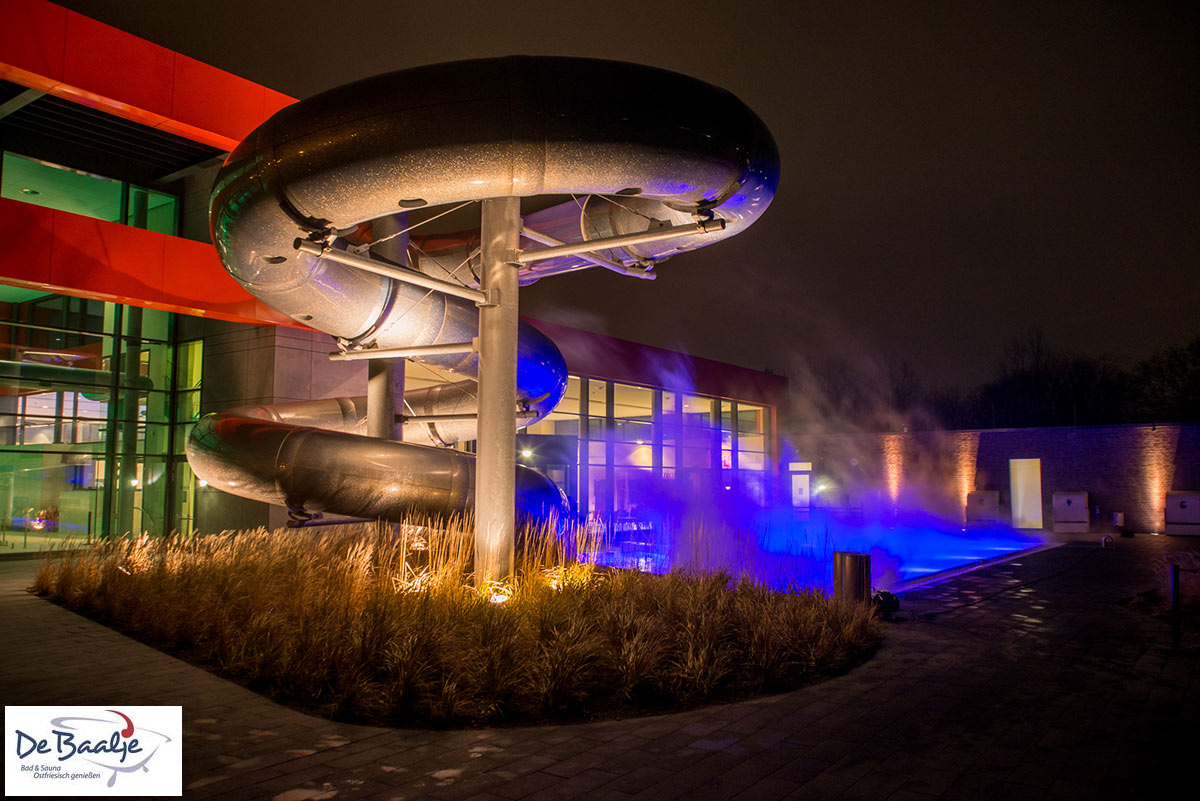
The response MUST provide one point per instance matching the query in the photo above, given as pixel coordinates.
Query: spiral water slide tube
(605, 150)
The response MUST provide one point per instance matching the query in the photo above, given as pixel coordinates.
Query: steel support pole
(385, 377)
(385, 394)
(1176, 636)
(495, 479)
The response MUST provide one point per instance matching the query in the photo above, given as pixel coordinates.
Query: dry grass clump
(381, 624)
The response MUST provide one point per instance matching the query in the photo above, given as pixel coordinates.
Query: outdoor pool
(791, 548)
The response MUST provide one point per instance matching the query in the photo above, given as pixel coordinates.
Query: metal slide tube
(648, 151)
(495, 505)
(332, 472)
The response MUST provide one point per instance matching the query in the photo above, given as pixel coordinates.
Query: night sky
(954, 174)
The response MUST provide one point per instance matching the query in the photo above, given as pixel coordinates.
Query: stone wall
(1126, 468)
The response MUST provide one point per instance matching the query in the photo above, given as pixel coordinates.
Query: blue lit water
(791, 548)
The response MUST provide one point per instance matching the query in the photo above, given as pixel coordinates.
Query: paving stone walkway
(1024, 680)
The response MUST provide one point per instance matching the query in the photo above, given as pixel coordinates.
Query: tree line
(1037, 386)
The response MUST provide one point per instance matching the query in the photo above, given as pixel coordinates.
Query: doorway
(1025, 482)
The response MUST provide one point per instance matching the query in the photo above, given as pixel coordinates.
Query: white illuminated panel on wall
(1025, 478)
(800, 494)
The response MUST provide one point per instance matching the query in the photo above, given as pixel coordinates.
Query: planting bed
(380, 624)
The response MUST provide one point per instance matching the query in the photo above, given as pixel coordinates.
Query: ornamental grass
(382, 623)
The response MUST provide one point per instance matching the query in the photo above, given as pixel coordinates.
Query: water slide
(596, 150)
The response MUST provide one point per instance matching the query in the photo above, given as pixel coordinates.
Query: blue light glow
(795, 548)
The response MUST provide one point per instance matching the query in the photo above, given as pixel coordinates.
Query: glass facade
(95, 404)
(97, 400)
(626, 440)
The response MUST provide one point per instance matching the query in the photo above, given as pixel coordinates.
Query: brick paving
(1024, 680)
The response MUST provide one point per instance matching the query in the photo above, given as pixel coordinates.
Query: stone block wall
(1123, 468)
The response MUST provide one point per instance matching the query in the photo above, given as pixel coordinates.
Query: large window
(95, 401)
(632, 437)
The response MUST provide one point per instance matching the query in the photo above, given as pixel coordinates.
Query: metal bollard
(852, 577)
(1175, 633)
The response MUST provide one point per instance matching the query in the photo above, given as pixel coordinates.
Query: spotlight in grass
(554, 577)
(497, 592)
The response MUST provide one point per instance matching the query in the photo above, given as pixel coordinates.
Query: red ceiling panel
(196, 84)
(32, 38)
(273, 101)
(46, 47)
(110, 63)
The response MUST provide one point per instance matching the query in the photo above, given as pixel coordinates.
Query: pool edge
(933, 578)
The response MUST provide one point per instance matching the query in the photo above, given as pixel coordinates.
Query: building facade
(120, 327)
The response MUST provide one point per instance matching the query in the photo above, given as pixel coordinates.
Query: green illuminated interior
(96, 401)
(57, 187)
(16, 294)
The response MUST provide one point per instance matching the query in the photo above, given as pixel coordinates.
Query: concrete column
(495, 477)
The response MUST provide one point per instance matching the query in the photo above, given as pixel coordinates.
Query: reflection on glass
(634, 431)
(697, 411)
(748, 460)
(597, 397)
(751, 442)
(750, 418)
(633, 455)
(633, 403)
(597, 427)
